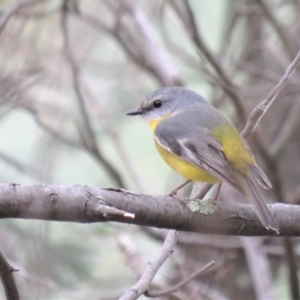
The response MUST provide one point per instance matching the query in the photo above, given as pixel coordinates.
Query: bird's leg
(174, 192)
(215, 198)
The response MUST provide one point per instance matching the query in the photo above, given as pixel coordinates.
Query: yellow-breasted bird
(198, 142)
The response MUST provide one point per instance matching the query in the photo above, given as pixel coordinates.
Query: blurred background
(70, 70)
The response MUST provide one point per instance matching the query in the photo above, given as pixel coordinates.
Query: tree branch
(7, 14)
(9, 285)
(286, 40)
(89, 204)
(292, 268)
(143, 284)
(89, 134)
(186, 15)
(160, 59)
(259, 267)
(259, 111)
(202, 271)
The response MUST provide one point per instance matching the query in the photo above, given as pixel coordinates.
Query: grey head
(167, 101)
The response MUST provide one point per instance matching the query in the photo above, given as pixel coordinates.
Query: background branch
(88, 135)
(152, 267)
(258, 112)
(7, 278)
(259, 268)
(7, 14)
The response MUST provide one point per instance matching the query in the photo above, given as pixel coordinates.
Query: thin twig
(143, 284)
(259, 111)
(173, 289)
(195, 288)
(137, 264)
(8, 281)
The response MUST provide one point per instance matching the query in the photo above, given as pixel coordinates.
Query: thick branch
(88, 204)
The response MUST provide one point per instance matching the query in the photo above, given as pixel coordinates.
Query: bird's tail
(261, 209)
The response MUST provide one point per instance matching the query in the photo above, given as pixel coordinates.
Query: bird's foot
(173, 193)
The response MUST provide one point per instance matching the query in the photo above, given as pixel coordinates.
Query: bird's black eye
(157, 103)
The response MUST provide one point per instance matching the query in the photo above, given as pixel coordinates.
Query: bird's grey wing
(257, 172)
(260, 177)
(202, 150)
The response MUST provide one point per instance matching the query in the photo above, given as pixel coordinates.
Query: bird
(201, 144)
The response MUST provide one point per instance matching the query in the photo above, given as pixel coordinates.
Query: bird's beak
(135, 112)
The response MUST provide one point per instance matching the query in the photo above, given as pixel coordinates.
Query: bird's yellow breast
(181, 166)
(184, 168)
